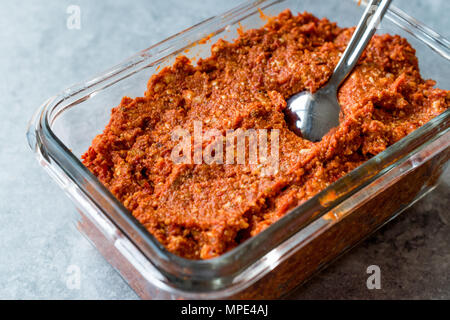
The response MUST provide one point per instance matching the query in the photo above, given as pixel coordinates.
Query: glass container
(272, 263)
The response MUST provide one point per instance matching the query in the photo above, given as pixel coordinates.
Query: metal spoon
(311, 116)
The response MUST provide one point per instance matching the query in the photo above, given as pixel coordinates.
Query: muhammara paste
(200, 211)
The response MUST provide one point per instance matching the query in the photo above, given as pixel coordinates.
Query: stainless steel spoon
(313, 115)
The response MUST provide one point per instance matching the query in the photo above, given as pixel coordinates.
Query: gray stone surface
(38, 241)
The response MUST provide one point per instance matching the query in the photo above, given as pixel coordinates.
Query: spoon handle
(367, 26)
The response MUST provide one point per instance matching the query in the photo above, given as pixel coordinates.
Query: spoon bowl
(315, 114)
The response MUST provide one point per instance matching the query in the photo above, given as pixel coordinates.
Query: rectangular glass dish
(272, 263)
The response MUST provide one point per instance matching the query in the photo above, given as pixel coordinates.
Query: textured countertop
(39, 57)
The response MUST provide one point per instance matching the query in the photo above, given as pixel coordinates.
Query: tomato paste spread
(201, 210)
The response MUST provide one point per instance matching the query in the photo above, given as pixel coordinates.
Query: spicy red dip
(199, 211)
